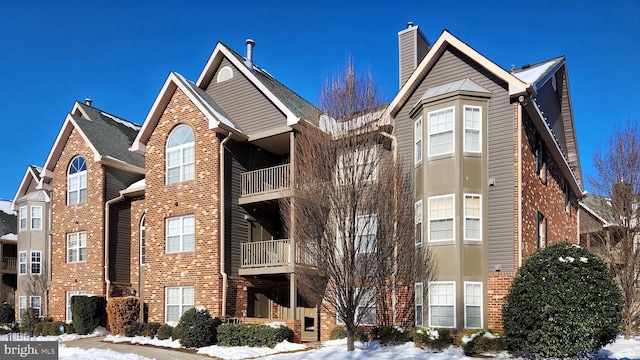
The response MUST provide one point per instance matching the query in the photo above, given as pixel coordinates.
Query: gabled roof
(218, 120)
(32, 174)
(465, 85)
(8, 221)
(288, 102)
(538, 74)
(600, 208)
(108, 136)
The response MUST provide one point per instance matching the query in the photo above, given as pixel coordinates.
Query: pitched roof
(8, 220)
(538, 74)
(600, 207)
(458, 85)
(31, 174)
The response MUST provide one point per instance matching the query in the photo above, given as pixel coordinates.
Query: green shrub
(255, 335)
(481, 342)
(150, 329)
(54, 328)
(122, 311)
(390, 335)
(175, 333)
(432, 339)
(338, 333)
(198, 329)
(30, 318)
(134, 329)
(68, 328)
(164, 332)
(38, 329)
(7, 314)
(562, 303)
(86, 313)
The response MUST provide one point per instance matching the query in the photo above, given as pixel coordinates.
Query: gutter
(106, 241)
(223, 311)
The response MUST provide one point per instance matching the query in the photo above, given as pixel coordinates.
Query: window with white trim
(472, 305)
(142, 240)
(366, 309)
(22, 262)
(36, 218)
(441, 137)
(418, 221)
(180, 234)
(22, 305)
(35, 302)
(542, 231)
(442, 304)
(77, 181)
(23, 218)
(180, 155)
(36, 263)
(77, 247)
(541, 161)
(472, 217)
(358, 166)
(364, 238)
(417, 140)
(472, 125)
(441, 212)
(224, 74)
(178, 299)
(71, 293)
(419, 303)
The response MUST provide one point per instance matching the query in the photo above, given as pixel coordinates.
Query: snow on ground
(143, 340)
(74, 353)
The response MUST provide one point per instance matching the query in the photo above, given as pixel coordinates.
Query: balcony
(9, 264)
(265, 184)
(266, 257)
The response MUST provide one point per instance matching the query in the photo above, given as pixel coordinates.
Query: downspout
(394, 300)
(106, 242)
(520, 109)
(223, 312)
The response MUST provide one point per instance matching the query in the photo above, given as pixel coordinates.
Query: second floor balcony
(270, 257)
(265, 184)
(8, 264)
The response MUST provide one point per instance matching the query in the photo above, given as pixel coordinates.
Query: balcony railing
(269, 253)
(9, 263)
(266, 180)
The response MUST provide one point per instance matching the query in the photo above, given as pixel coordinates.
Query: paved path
(150, 352)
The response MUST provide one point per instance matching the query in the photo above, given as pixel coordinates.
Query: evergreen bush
(7, 314)
(164, 332)
(338, 333)
(134, 329)
(432, 339)
(390, 335)
(122, 311)
(29, 319)
(150, 329)
(198, 329)
(254, 335)
(562, 303)
(175, 333)
(482, 342)
(86, 313)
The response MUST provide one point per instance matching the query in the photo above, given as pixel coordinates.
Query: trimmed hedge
(7, 314)
(480, 342)
(255, 335)
(432, 339)
(197, 328)
(390, 335)
(49, 328)
(175, 333)
(122, 311)
(29, 319)
(142, 329)
(164, 332)
(86, 313)
(562, 303)
(341, 333)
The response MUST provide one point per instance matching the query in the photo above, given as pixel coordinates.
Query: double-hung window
(77, 181)
(180, 155)
(142, 240)
(366, 310)
(36, 263)
(442, 304)
(472, 217)
(418, 222)
(541, 161)
(362, 234)
(417, 138)
(71, 293)
(23, 218)
(542, 231)
(441, 137)
(35, 302)
(180, 234)
(441, 211)
(473, 305)
(77, 247)
(36, 218)
(22, 305)
(178, 299)
(419, 302)
(472, 124)
(358, 166)
(22, 262)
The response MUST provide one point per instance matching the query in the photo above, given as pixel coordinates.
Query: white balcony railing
(266, 180)
(266, 253)
(9, 263)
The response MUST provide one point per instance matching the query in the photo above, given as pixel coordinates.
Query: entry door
(309, 321)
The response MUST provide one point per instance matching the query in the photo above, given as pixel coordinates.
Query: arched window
(225, 74)
(180, 155)
(77, 181)
(142, 240)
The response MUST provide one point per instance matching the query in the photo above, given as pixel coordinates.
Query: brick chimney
(413, 47)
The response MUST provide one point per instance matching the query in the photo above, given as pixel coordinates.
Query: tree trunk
(350, 340)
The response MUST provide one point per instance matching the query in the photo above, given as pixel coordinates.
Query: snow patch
(566, 259)
(584, 259)
(121, 121)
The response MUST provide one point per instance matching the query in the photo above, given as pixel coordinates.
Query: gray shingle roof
(601, 206)
(8, 223)
(535, 73)
(110, 135)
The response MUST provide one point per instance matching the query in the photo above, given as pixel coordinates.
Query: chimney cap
(409, 24)
(88, 101)
(250, 42)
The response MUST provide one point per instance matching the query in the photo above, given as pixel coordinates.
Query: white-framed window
(472, 305)
(23, 218)
(567, 195)
(71, 293)
(180, 234)
(35, 302)
(541, 161)
(36, 263)
(77, 181)
(77, 247)
(418, 221)
(22, 305)
(36, 218)
(419, 303)
(441, 214)
(472, 217)
(178, 299)
(542, 231)
(22, 262)
(442, 304)
(142, 240)
(472, 126)
(358, 166)
(417, 140)
(180, 155)
(225, 73)
(364, 239)
(441, 136)
(366, 309)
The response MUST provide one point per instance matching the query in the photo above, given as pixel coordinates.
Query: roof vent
(88, 101)
(409, 24)
(250, 45)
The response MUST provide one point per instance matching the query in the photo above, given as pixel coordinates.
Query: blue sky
(119, 53)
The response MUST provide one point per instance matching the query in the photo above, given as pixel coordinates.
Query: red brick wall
(497, 287)
(199, 268)
(88, 216)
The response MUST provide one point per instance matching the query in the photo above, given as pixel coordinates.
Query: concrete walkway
(148, 351)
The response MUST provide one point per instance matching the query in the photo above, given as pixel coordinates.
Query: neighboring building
(497, 173)
(8, 252)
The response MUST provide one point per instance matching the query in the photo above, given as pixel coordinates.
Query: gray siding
(116, 180)
(407, 55)
(244, 103)
(120, 242)
(550, 106)
(453, 66)
(236, 227)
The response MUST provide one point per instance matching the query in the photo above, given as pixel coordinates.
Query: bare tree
(352, 209)
(618, 182)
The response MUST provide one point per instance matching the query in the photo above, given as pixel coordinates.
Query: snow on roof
(10, 236)
(533, 74)
(5, 205)
(334, 127)
(121, 121)
(140, 184)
